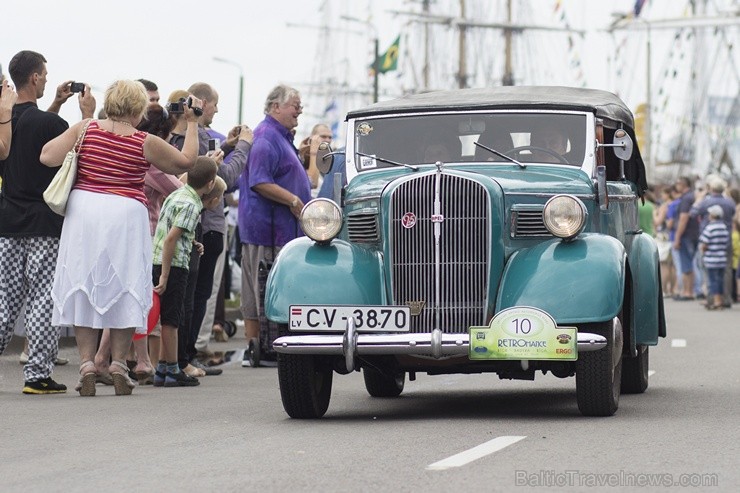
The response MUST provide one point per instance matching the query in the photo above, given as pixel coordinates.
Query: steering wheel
(517, 150)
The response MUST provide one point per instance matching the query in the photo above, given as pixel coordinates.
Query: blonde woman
(103, 274)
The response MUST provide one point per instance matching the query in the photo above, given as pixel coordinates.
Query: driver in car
(553, 140)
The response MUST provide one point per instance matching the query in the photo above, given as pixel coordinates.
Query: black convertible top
(603, 104)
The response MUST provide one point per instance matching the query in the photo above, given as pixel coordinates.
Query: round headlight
(564, 216)
(321, 220)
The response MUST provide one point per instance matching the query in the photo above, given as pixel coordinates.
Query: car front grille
(440, 264)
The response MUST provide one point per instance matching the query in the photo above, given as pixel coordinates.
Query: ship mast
(464, 25)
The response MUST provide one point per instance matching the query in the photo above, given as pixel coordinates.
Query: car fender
(577, 281)
(306, 273)
(648, 319)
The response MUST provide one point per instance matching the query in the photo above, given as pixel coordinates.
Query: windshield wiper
(500, 154)
(415, 168)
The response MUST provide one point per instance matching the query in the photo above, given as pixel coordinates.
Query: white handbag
(57, 193)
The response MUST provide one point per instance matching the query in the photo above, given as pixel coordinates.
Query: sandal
(219, 334)
(145, 377)
(88, 376)
(121, 381)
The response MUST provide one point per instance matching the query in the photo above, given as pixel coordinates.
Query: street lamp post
(241, 83)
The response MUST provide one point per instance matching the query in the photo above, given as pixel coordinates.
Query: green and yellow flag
(389, 60)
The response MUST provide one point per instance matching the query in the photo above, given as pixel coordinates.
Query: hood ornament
(416, 307)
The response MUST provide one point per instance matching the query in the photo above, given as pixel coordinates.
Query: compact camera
(77, 87)
(213, 145)
(176, 108)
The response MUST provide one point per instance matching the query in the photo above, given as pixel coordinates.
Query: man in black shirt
(29, 230)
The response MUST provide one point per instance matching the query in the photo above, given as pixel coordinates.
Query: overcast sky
(173, 42)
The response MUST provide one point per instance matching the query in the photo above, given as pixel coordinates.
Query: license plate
(334, 318)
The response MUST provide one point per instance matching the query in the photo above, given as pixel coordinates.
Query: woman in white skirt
(103, 276)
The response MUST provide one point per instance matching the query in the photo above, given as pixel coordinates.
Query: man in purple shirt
(272, 192)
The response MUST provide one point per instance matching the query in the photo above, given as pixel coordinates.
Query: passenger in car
(443, 148)
(436, 152)
(496, 139)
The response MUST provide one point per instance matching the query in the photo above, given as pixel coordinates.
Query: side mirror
(324, 158)
(622, 144)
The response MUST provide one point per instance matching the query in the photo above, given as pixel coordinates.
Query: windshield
(557, 138)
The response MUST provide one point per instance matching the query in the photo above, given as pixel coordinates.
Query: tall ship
(675, 63)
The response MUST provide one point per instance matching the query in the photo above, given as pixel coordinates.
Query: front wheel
(305, 385)
(380, 384)
(635, 372)
(599, 373)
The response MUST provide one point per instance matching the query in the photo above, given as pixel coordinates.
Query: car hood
(533, 179)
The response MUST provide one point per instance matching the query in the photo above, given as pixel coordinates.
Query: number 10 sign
(523, 332)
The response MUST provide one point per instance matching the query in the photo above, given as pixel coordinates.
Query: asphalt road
(464, 432)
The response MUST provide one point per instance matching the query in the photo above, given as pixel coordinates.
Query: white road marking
(474, 453)
(651, 373)
(678, 342)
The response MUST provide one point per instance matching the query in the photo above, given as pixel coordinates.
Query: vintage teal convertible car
(482, 230)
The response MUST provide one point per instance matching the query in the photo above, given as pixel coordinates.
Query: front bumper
(436, 344)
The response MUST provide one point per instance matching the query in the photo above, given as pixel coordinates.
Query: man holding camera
(29, 230)
(213, 222)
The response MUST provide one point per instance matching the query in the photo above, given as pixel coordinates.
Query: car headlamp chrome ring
(321, 220)
(565, 216)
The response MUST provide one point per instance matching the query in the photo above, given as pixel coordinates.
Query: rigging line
(573, 53)
(730, 57)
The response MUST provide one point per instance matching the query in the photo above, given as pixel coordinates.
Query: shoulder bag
(57, 193)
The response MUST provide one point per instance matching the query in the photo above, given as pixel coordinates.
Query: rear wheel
(599, 373)
(380, 384)
(305, 385)
(635, 372)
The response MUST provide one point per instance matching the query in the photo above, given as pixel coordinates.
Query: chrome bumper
(435, 344)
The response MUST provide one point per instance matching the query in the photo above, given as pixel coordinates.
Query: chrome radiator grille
(441, 264)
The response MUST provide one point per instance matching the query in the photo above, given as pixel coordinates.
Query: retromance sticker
(521, 333)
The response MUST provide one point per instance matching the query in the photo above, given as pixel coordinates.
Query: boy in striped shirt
(713, 243)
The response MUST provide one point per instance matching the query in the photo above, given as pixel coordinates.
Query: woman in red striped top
(103, 273)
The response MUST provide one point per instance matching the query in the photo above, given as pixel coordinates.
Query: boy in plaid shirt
(173, 241)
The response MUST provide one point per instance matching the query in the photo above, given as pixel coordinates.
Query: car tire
(379, 384)
(598, 379)
(305, 385)
(635, 372)
(254, 352)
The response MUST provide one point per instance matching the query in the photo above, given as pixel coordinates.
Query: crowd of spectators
(145, 225)
(696, 225)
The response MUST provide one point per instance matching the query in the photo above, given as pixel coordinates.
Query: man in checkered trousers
(29, 230)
